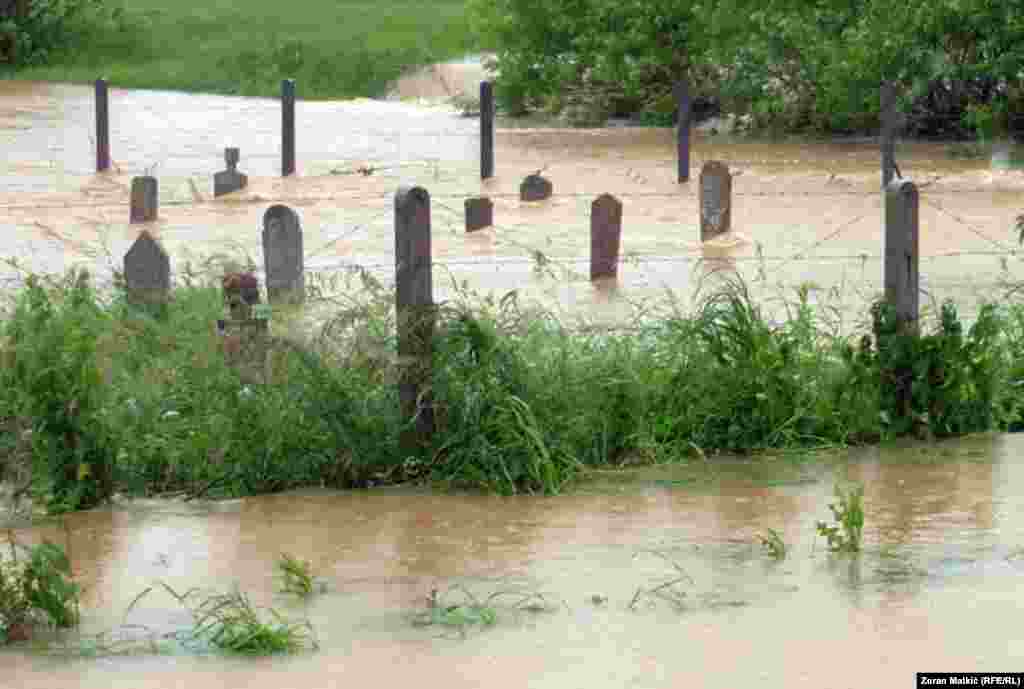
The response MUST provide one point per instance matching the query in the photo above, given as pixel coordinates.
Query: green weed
(36, 585)
(230, 623)
(773, 543)
(296, 575)
(845, 535)
(458, 610)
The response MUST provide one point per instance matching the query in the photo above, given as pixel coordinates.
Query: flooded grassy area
(936, 582)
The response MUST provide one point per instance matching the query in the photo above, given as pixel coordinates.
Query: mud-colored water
(936, 587)
(802, 212)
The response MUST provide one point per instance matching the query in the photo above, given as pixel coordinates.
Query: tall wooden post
(486, 130)
(287, 127)
(102, 126)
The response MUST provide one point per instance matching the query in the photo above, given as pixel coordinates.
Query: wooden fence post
(889, 124)
(102, 126)
(901, 280)
(486, 129)
(414, 302)
(683, 106)
(287, 127)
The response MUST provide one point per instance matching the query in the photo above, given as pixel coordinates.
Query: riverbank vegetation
(96, 396)
(333, 48)
(788, 65)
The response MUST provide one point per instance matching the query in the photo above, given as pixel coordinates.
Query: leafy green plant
(773, 543)
(296, 575)
(458, 609)
(848, 514)
(36, 585)
(231, 623)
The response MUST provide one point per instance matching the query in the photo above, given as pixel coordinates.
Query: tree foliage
(798, 63)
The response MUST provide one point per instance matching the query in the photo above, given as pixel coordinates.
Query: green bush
(38, 29)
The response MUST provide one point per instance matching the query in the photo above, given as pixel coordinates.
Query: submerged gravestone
(282, 255)
(479, 213)
(144, 199)
(605, 235)
(229, 180)
(715, 200)
(535, 188)
(147, 271)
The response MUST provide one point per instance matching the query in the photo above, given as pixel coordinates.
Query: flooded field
(937, 585)
(802, 212)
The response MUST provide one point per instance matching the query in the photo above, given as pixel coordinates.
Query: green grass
(523, 403)
(333, 48)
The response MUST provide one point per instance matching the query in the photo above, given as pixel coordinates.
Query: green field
(334, 48)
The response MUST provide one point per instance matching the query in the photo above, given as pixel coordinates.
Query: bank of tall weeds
(96, 396)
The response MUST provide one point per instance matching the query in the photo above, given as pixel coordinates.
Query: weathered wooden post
(715, 200)
(889, 122)
(486, 130)
(682, 94)
(282, 256)
(102, 126)
(144, 200)
(147, 273)
(287, 127)
(605, 236)
(901, 279)
(414, 303)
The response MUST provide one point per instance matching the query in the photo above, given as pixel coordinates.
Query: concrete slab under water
(936, 586)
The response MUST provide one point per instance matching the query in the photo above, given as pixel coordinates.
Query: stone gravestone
(535, 188)
(605, 235)
(715, 200)
(229, 180)
(147, 271)
(144, 199)
(479, 214)
(282, 255)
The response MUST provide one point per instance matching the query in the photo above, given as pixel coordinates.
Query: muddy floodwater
(936, 588)
(803, 213)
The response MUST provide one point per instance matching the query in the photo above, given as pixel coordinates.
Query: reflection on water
(936, 585)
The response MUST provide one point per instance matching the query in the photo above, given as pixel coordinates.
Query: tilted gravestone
(535, 188)
(605, 235)
(282, 255)
(715, 200)
(144, 199)
(479, 214)
(229, 180)
(147, 271)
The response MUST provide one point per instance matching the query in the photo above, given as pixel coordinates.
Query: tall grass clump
(101, 395)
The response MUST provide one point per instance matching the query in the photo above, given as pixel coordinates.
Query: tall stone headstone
(144, 199)
(535, 188)
(229, 180)
(479, 214)
(715, 200)
(147, 271)
(282, 255)
(605, 235)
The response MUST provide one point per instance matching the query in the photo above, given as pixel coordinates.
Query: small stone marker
(229, 180)
(144, 199)
(147, 271)
(715, 200)
(535, 188)
(245, 336)
(605, 235)
(479, 213)
(282, 255)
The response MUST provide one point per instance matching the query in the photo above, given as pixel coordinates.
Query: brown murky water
(937, 585)
(806, 212)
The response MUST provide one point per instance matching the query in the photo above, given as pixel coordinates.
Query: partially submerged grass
(296, 575)
(668, 590)
(229, 622)
(848, 513)
(458, 610)
(333, 48)
(773, 543)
